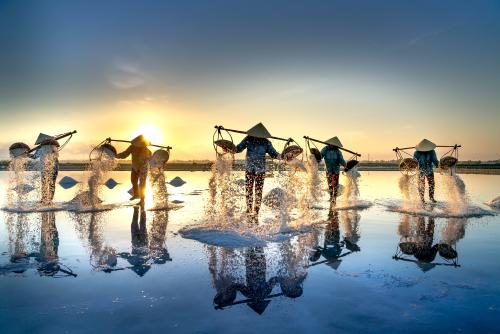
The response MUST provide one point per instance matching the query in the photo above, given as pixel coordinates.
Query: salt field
(299, 268)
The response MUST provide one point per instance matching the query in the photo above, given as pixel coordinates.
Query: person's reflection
(254, 285)
(332, 246)
(425, 251)
(417, 240)
(139, 255)
(44, 251)
(257, 287)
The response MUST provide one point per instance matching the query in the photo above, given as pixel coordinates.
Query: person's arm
(435, 160)
(341, 159)
(125, 153)
(271, 151)
(242, 145)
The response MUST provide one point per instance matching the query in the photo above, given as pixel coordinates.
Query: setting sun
(151, 132)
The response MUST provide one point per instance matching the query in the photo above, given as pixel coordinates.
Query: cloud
(127, 75)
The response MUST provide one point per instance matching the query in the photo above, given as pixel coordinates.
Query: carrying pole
(412, 147)
(129, 141)
(61, 136)
(325, 143)
(220, 127)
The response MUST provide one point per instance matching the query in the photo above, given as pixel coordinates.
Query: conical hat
(259, 131)
(335, 141)
(425, 146)
(42, 137)
(140, 141)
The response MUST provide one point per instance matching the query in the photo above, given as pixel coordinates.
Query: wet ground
(131, 271)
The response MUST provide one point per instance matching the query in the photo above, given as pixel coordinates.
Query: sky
(377, 74)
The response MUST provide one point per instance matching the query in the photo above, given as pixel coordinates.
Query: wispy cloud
(127, 75)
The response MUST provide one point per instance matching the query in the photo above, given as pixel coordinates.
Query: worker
(427, 160)
(257, 145)
(333, 160)
(140, 157)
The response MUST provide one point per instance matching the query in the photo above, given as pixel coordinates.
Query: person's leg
(134, 179)
(421, 187)
(142, 185)
(249, 181)
(259, 185)
(430, 180)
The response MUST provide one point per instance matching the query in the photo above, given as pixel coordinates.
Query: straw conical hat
(42, 137)
(259, 131)
(140, 141)
(335, 141)
(425, 146)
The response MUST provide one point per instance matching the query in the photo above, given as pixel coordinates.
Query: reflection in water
(27, 250)
(89, 227)
(333, 248)
(147, 250)
(417, 240)
(255, 272)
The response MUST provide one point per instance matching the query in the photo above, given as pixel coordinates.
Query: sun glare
(151, 132)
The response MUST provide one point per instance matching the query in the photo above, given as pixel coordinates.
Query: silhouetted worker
(333, 160)
(48, 155)
(257, 146)
(427, 159)
(140, 156)
(139, 255)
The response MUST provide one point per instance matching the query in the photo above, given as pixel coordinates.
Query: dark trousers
(138, 180)
(48, 186)
(333, 185)
(421, 185)
(254, 180)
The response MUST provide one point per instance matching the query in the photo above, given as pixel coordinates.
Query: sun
(151, 132)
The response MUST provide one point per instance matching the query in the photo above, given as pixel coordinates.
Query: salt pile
(177, 182)
(67, 182)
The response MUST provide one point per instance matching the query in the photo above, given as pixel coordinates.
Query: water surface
(122, 270)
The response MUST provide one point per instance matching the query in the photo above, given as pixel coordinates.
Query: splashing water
(222, 204)
(21, 180)
(97, 170)
(159, 187)
(351, 188)
(408, 185)
(313, 183)
(455, 192)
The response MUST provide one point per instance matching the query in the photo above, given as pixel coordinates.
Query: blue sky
(378, 74)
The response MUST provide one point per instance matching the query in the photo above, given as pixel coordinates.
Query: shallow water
(122, 270)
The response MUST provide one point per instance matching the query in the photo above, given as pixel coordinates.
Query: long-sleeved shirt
(426, 160)
(333, 159)
(256, 153)
(140, 155)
